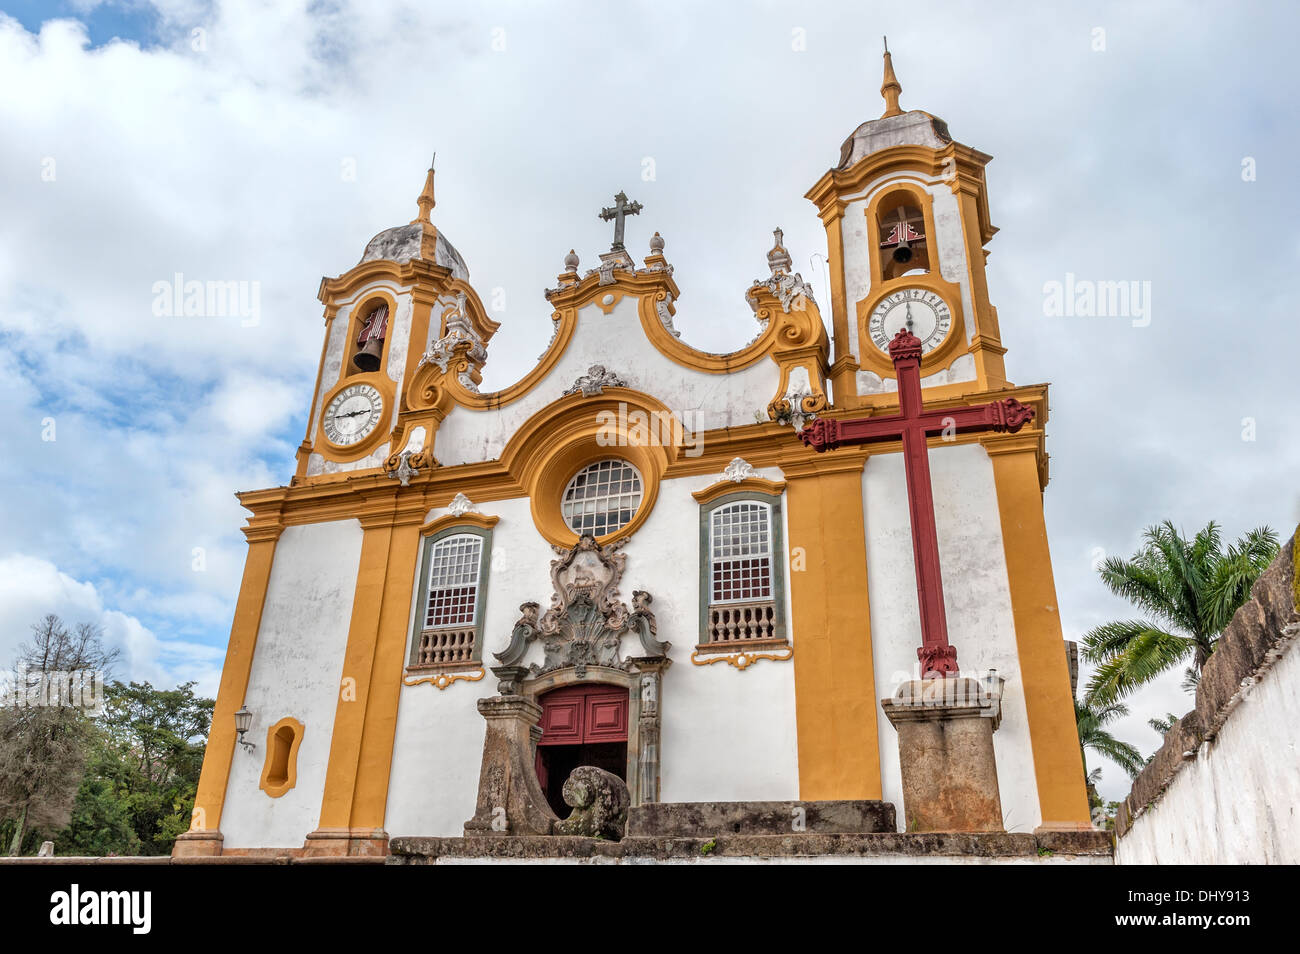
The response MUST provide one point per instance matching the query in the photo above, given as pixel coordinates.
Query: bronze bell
(902, 253)
(367, 359)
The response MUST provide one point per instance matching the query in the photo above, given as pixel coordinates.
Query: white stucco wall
(976, 599)
(617, 341)
(1238, 802)
(726, 734)
(297, 664)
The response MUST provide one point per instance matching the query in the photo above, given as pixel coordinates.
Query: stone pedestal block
(346, 843)
(197, 844)
(945, 746)
(510, 800)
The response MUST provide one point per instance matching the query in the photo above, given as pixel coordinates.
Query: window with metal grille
(602, 498)
(453, 581)
(740, 553)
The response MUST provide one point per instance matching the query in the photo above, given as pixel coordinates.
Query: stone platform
(1077, 847)
(690, 819)
(837, 832)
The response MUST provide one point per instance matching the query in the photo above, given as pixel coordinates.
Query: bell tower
(406, 303)
(907, 221)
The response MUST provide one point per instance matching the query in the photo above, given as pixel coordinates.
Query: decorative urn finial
(778, 259)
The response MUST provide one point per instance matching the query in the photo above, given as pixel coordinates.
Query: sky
(265, 143)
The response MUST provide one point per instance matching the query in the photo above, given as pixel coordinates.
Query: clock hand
(909, 316)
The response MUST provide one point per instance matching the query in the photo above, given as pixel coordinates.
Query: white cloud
(31, 587)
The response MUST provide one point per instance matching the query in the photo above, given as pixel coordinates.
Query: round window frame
(631, 520)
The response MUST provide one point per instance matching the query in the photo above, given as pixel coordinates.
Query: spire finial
(425, 202)
(891, 87)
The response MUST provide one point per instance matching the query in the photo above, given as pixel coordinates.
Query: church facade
(629, 558)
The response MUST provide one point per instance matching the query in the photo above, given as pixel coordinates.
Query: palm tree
(1092, 718)
(1163, 725)
(1190, 587)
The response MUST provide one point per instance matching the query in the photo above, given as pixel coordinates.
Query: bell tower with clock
(906, 217)
(408, 298)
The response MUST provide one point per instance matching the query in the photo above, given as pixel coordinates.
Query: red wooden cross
(913, 424)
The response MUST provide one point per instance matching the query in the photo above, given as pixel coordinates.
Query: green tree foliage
(1190, 590)
(1163, 725)
(1092, 719)
(139, 787)
(119, 780)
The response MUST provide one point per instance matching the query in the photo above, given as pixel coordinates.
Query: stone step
(696, 819)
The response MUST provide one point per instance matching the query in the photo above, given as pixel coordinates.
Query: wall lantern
(243, 720)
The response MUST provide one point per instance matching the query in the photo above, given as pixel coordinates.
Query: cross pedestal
(945, 746)
(945, 722)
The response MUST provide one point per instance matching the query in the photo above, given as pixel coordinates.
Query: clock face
(353, 414)
(919, 310)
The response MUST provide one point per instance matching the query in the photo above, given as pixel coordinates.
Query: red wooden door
(579, 715)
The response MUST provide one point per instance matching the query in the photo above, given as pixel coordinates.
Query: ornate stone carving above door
(586, 620)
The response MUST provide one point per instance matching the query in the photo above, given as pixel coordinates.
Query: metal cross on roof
(622, 208)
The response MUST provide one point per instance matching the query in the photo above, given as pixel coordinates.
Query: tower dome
(895, 127)
(417, 239)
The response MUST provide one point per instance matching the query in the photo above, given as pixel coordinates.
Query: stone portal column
(945, 746)
(647, 708)
(510, 800)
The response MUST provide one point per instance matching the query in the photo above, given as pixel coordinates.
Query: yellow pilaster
(835, 686)
(211, 795)
(986, 341)
(356, 779)
(1053, 735)
(371, 797)
(843, 384)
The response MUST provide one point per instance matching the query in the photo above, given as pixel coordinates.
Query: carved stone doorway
(581, 635)
(583, 724)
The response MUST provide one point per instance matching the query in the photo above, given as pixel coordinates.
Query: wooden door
(584, 715)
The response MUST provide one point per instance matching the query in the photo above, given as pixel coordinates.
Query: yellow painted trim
(675, 350)
(276, 789)
(215, 774)
(741, 661)
(562, 438)
(444, 679)
(835, 685)
(431, 389)
(761, 485)
(471, 519)
(404, 274)
(1044, 675)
